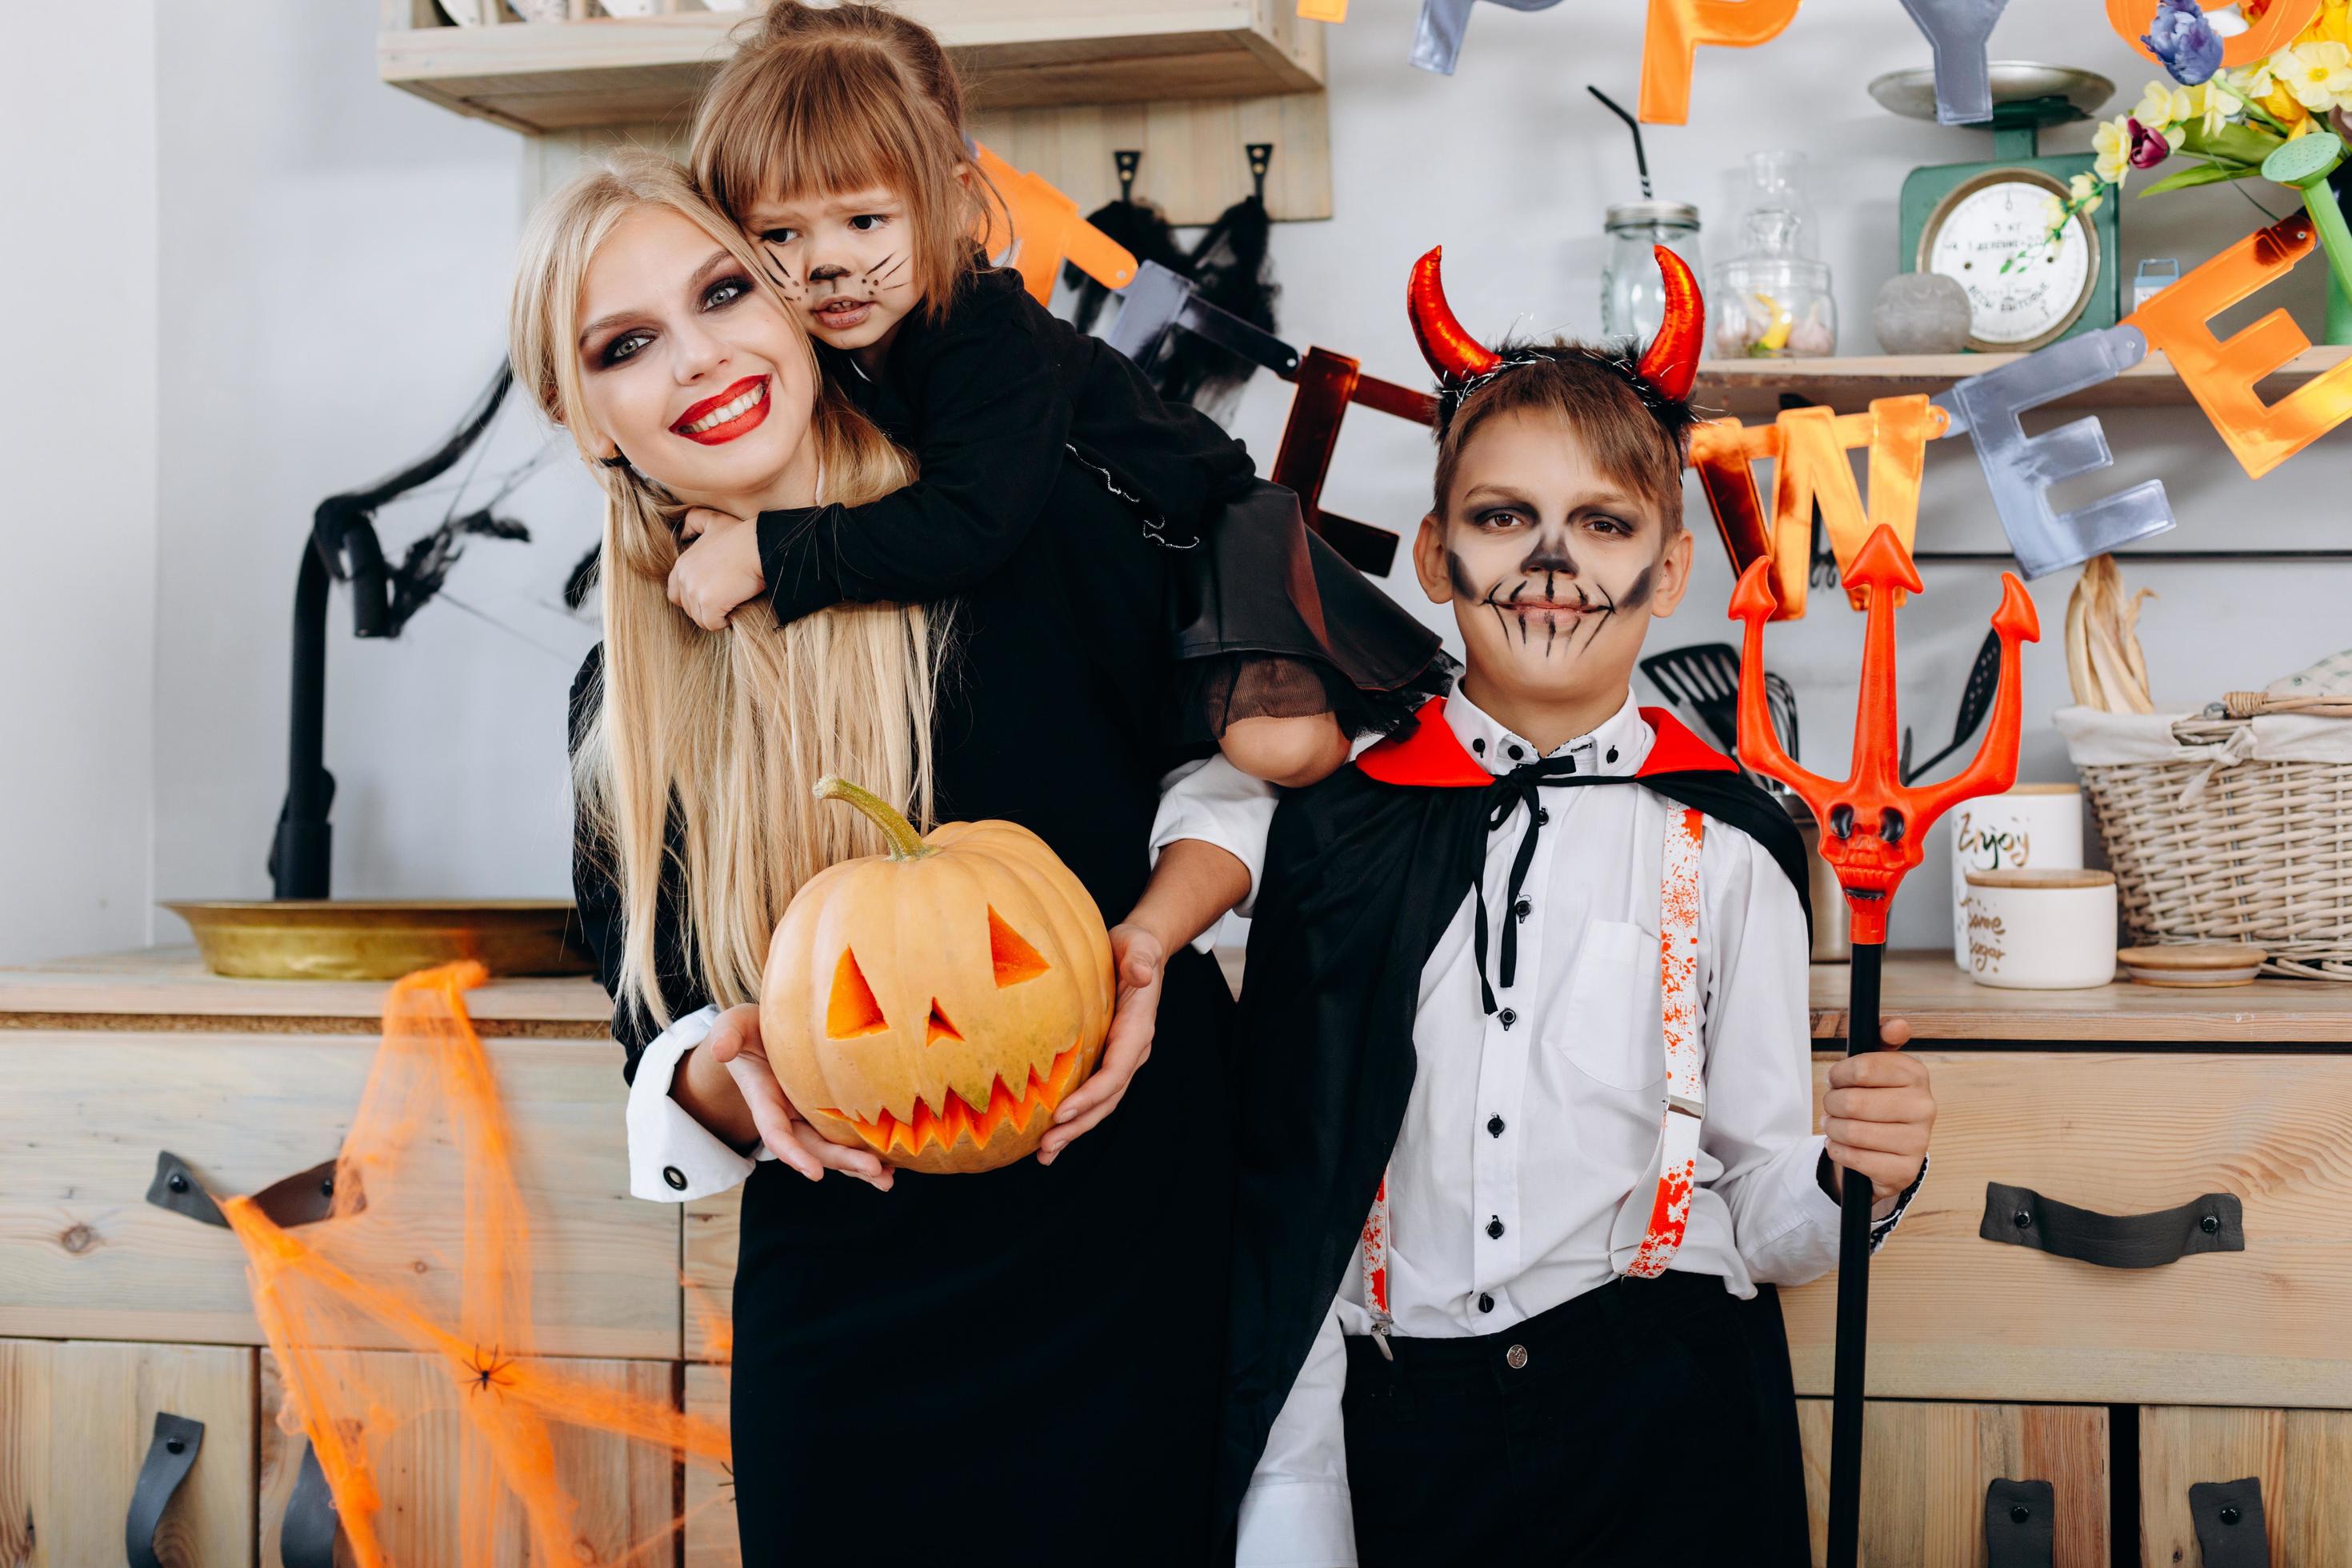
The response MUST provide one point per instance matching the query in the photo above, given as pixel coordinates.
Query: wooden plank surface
(169, 984)
(1925, 1467)
(76, 1421)
(2303, 1458)
(710, 1528)
(1751, 388)
(1012, 53)
(1944, 1004)
(712, 1227)
(1953, 1316)
(82, 1254)
(624, 1491)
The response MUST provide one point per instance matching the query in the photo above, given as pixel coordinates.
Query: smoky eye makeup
(620, 348)
(725, 291)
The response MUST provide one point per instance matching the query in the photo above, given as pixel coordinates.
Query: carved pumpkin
(935, 1003)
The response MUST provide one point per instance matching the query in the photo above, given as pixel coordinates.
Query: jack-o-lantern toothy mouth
(890, 1135)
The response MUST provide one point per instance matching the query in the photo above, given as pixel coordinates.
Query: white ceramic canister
(2034, 826)
(2045, 930)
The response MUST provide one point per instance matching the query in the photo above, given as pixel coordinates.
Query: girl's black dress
(1021, 1367)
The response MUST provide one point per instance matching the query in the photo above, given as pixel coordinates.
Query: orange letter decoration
(1047, 230)
(1808, 447)
(2267, 34)
(1677, 27)
(2222, 375)
(1323, 10)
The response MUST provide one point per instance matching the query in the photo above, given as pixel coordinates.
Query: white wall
(331, 257)
(1510, 164)
(77, 267)
(338, 258)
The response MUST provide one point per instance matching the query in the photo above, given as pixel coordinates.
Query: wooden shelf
(1015, 54)
(1751, 388)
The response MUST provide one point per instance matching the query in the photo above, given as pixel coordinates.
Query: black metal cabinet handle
(307, 1538)
(2024, 1217)
(171, 1455)
(2020, 1524)
(2228, 1519)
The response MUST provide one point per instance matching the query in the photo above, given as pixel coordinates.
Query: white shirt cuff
(1217, 803)
(1290, 1523)
(673, 1157)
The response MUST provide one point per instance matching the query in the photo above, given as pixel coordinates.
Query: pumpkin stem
(906, 844)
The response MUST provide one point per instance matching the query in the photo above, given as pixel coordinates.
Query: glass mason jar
(1632, 294)
(1772, 300)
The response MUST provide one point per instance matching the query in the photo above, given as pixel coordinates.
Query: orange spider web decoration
(322, 1291)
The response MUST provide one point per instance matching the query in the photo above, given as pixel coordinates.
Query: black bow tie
(1521, 787)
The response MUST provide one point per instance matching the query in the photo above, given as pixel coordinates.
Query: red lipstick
(741, 424)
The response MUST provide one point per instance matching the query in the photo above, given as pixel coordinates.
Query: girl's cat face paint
(1550, 566)
(842, 259)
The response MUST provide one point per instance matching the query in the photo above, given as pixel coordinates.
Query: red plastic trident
(1873, 827)
(1871, 832)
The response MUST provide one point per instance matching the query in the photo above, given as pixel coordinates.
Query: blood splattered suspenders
(1675, 1168)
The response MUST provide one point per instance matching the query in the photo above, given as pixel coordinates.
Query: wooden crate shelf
(1751, 388)
(1015, 54)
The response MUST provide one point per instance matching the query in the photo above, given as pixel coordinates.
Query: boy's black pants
(1648, 1422)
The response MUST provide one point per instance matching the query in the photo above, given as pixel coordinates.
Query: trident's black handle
(1852, 1290)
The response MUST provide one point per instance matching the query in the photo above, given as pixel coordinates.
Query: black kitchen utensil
(1976, 702)
(1704, 678)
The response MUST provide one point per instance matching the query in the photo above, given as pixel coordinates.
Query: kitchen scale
(1966, 220)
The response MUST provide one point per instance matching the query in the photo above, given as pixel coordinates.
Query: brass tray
(382, 939)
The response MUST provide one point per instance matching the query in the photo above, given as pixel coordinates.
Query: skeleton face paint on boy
(844, 260)
(1554, 571)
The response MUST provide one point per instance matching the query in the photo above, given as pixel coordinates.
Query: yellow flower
(2275, 96)
(2211, 104)
(2319, 75)
(2332, 26)
(2083, 192)
(2162, 107)
(2112, 142)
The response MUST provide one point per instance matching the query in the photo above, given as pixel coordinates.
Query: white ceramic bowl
(2048, 929)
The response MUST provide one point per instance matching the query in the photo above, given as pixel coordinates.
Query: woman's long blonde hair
(733, 727)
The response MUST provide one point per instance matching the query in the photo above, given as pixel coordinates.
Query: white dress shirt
(1528, 1128)
(674, 1158)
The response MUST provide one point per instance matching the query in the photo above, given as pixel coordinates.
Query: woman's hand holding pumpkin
(1137, 958)
(719, 570)
(734, 1044)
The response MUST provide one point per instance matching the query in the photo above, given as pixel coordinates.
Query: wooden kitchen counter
(167, 989)
(1943, 1003)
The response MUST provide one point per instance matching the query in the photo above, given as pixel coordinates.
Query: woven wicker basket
(2252, 851)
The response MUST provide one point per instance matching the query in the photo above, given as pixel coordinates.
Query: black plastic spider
(491, 1371)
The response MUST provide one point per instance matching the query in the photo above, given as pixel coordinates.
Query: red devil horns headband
(1670, 365)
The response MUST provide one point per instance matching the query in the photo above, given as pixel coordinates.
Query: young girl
(971, 1357)
(835, 136)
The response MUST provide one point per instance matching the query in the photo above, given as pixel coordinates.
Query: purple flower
(2148, 148)
(2185, 41)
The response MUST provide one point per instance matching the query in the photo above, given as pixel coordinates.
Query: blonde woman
(975, 1350)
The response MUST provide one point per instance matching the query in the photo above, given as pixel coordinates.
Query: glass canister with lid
(1772, 299)
(1632, 294)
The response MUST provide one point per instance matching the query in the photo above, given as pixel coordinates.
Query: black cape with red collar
(1363, 873)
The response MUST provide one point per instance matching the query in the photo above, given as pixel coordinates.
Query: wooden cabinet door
(624, 1491)
(710, 1540)
(713, 1225)
(1925, 1468)
(76, 1420)
(2303, 1458)
(81, 1255)
(1956, 1316)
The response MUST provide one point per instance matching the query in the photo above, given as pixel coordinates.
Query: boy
(1552, 1037)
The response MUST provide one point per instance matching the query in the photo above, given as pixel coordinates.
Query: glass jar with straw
(1633, 293)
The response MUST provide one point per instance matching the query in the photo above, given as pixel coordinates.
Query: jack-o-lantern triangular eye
(1015, 960)
(852, 1009)
(939, 1028)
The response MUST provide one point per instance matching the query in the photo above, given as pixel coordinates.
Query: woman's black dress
(1021, 1367)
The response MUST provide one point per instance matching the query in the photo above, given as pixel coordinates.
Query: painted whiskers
(1872, 830)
